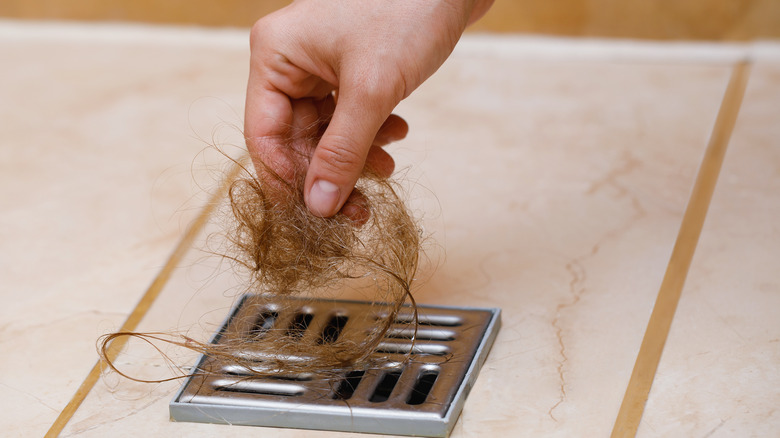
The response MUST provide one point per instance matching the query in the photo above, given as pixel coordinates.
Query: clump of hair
(286, 251)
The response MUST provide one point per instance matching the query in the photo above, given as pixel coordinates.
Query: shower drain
(420, 394)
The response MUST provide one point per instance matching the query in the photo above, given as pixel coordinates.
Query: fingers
(267, 124)
(341, 154)
(356, 208)
(393, 129)
(378, 160)
(278, 131)
(268, 112)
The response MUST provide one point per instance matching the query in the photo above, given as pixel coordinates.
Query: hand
(342, 65)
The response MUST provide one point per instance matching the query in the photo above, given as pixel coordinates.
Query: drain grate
(422, 396)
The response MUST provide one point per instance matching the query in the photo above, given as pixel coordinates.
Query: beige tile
(101, 172)
(562, 210)
(552, 189)
(719, 374)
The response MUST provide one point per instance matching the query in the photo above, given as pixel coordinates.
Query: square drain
(421, 396)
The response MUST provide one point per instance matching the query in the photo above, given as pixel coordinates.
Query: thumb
(339, 157)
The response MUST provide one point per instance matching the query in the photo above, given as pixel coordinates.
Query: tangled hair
(289, 252)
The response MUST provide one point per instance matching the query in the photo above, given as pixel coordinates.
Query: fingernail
(323, 198)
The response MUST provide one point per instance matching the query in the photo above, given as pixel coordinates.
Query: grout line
(638, 390)
(146, 301)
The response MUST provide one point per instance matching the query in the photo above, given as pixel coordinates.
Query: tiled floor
(552, 177)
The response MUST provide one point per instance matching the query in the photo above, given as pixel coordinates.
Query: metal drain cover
(422, 396)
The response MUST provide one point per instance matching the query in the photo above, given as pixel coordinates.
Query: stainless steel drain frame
(422, 396)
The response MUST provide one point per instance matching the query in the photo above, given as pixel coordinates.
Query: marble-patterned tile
(550, 188)
(101, 169)
(561, 203)
(720, 372)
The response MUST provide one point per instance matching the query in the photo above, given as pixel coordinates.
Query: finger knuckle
(340, 155)
(257, 34)
(263, 32)
(377, 86)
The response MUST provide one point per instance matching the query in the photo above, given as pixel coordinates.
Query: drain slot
(299, 324)
(243, 371)
(264, 322)
(258, 387)
(332, 330)
(385, 386)
(348, 386)
(416, 348)
(421, 334)
(428, 319)
(422, 388)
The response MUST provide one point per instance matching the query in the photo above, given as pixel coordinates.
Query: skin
(338, 68)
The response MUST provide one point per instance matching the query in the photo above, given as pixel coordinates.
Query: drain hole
(429, 320)
(258, 387)
(246, 371)
(348, 385)
(264, 322)
(385, 387)
(407, 348)
(299, 324)
(422, 388)
(421, 334)
(333, 329)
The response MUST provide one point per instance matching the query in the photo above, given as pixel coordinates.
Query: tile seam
(147, 299)
(642, 376)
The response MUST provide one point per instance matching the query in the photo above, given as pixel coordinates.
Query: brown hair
(287, 251)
